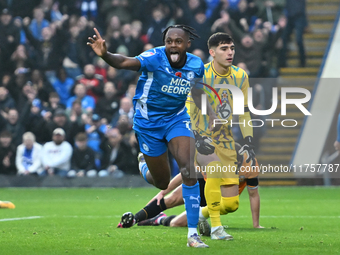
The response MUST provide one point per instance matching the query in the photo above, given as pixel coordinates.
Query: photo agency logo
(224, 108)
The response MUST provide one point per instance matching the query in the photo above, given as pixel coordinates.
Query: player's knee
(173, 201)
(229, 204)
(175, 223)
(162, 184)
(185, 171)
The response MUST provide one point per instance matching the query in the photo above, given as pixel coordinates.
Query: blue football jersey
(162, 90)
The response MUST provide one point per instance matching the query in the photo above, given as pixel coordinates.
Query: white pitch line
(291, 216)
(234, 216)
(22, 218)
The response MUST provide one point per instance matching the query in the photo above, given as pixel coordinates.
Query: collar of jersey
(225, 75)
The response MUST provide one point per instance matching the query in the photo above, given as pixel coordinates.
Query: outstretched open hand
(97, 44)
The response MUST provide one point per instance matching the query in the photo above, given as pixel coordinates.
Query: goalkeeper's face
(223, 54)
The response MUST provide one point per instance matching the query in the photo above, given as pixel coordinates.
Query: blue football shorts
(153, 141)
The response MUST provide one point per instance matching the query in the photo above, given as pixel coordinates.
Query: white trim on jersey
(181, 110)
(141, 103)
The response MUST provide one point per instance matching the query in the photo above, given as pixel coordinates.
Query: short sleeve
(197, 82)
(149, 60)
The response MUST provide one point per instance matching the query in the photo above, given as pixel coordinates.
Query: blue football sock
(192, 199)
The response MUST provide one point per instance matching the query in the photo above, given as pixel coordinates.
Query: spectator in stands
(59, 120)
(14, 124)
(108, 105)
(9, 38)
(200, 53)
(119, 8)
(131, 91)
(42, 85)
(73, 51)
(28, 156)
(202, 25)
(7, 154)
(126, 108)
(89, 9)
(28, 93)
(47, 52)
(113, 29)
(6, 100)
(36, 120)
(15, 84)
(56, 155)
(250, 52)
(296, 19)
(20, 60)
(134, 45)
(118, 157)
(53, 103)
(93, 82)
(270, 10)
(83, 158)
(125, 127)
(16, 6)
(38, 23)
(157, 24)
(63, 85)
(77, 113)
(95, 131)
(87, 102)
(121, 78)
(51, 10)
(101, 68)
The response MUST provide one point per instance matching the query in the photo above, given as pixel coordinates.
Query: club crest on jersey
(190, 75)
(224, 109)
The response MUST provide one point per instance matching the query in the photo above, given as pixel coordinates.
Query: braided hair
(191, 32)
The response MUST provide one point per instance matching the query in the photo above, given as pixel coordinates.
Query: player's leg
(229, 190)
(219, 191)
(229, 185)
(184, 154)
(212, 187)
(179, 220)
(156, 158)
(144, 169)
(150, 213)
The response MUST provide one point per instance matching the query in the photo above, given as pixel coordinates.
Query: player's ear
(212, 52)
(189, 43)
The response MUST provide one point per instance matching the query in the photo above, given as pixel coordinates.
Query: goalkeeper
(248, 178)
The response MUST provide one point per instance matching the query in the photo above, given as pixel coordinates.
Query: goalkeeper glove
(248, 148)
(203, 144)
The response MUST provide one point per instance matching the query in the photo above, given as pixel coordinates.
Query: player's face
(176, 45)
(223, 54)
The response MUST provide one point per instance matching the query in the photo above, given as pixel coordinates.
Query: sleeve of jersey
(197, 81)
(149, 60)
(245, 118)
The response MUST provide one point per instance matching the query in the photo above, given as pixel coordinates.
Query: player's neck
(220, 70)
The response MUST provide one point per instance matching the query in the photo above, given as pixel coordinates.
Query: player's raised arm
(118, 61)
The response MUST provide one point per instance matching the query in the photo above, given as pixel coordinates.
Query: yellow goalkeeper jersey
(235, 76)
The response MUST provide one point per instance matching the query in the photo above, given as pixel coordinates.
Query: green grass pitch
(298, 220)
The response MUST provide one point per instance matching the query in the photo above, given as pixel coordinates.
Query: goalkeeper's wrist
(248, 140)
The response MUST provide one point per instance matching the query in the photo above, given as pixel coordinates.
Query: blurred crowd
(55, 91)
